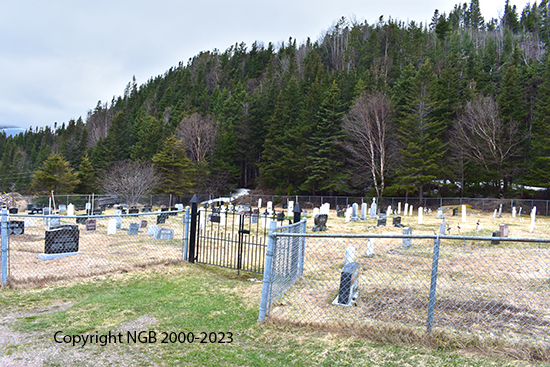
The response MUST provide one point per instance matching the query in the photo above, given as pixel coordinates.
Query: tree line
(458, 106)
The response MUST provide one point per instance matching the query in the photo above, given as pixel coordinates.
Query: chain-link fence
(41, 248)
(458, 287)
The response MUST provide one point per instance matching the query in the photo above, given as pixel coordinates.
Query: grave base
(45, 257)
(353, 298)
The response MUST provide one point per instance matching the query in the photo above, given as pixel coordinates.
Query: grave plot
(101, 245)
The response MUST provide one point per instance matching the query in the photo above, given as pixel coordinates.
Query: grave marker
(112, 226)
(61, 239)
(420, 215)
(143, 224)
(91, 225)
(407, 242)
(354, 212)
(463, 213)
(406, 210)
(133, 229)
(363, 211)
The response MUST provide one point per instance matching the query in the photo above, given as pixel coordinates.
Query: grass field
(185, 298)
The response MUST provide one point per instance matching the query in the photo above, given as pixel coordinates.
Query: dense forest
(456, 107)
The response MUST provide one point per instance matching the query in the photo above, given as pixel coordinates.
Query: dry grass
(492, 297)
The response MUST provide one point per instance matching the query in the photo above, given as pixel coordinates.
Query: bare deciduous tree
(129, 180)
(367, 126)
(482, 137)
(199, 133)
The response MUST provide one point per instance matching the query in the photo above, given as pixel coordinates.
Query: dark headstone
(133, 211)
(161, 218)
(143, 224)
(280, 216)
(455, 212)
(62, 239)
(91, 224)
(13, 210)
(320, 221)
(397, 222)
(382, 220)
(81, 219)
(215, 218)
(349, 280)
(496, 234)
(133, 229)
(146, 209)
(340, 213)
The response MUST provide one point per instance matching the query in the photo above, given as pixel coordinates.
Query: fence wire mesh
(104, 244)
(483, 290)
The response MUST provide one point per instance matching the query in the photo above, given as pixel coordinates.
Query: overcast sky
(58, 58)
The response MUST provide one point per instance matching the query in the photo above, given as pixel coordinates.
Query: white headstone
(410, 210)
(370, 247)
(399, 208)
(520, 209)
(514, 212)
(463, 213)
(151, 230)
(533, 219)
(88, 206)
(290, 209)
(111, 226)
(388, 211)
(420, 215)
(350, 255)
(259, 203)
(348, 215)
(494, 214)
(373, 209)
(500, 211)
(355, 212)
(406, 210)
(70, 210)
(363, 211)
(325, 209)
(270, 207)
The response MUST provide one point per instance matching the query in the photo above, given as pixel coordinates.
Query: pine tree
(175, 168)
(87, 177)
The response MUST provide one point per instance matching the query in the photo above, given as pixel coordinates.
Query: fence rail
(457, 285)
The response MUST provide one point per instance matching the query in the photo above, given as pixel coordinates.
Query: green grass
(187, 298)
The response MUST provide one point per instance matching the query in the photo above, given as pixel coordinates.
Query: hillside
(460, 106)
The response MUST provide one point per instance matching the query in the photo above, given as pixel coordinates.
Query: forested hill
(459, 106)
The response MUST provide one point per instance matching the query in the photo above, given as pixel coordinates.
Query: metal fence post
(266, 286)
(433, 284)
(4, 245)
(186, 233)
(193, 232)
(303, 247)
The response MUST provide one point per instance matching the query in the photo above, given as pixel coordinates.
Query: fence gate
(230, 239)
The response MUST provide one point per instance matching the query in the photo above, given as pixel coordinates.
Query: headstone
(439, 213)
(88, 206)
(118, 219)
(254, 218)
(494, 214)
(406, 209)
(420, 215)
(179, 207)
(500, 211)
(325, 209)
(348, 215)
(161, 218)
(16, 227)
(146, 209)
(91, 224)
(316, 211)
(407, 242)
(350, 255)
(354, 212)
(133, 229)
(70, 210)
(388, 211)
(280, 216)
(520, 209)
(503, 229)
(382, 220)
(290, 209)
(269, 207)
(63, 208)
(259, 203)
(143, 224)
(133, 210)
(399, 208)
(349, 280)
(340, 213)
(62, 239)
(397, 221)
(533, 219)
(463, 213)
(112, 226)
(455, 212)
(410, 210)
(370, 247)
(164, 234)
(320, 221)
(151, 230)
(363, 211)
(373, 210)
(53, 220)
(514, 212)
(496, 234)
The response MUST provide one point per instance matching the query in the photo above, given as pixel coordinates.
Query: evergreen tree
(55, 175)
(87, 177)
(175, 168)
